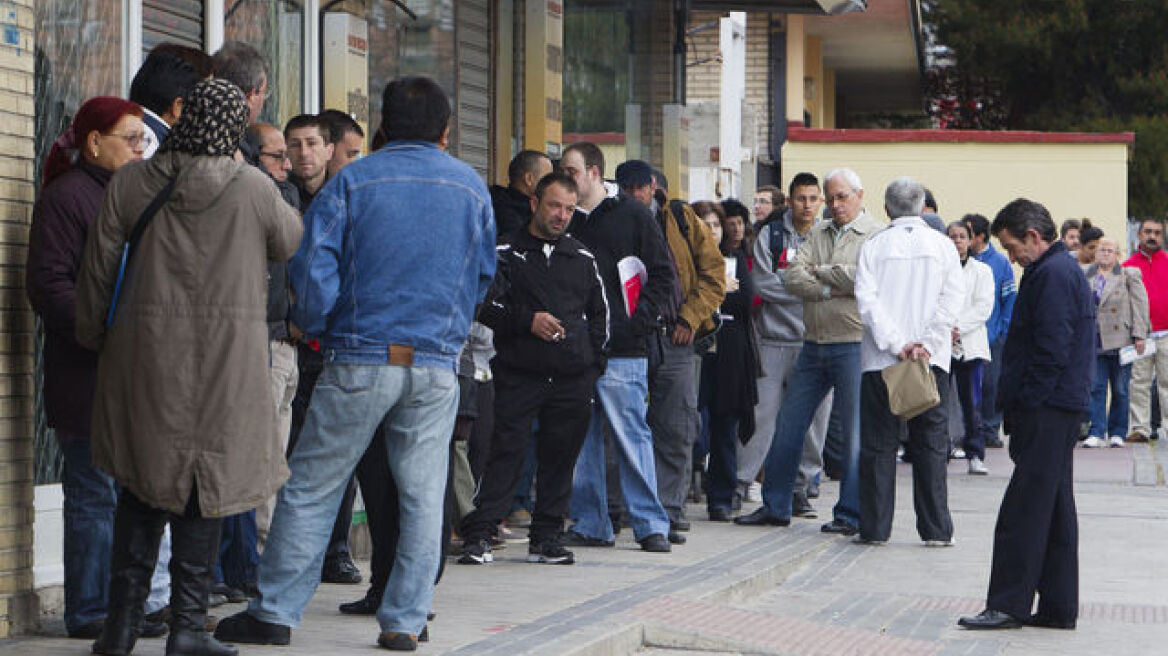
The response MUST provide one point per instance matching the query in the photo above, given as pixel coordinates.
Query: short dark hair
(1154, 219)
(1021, 215)
(242, 65)
(978, 225)
(734, 207)
(162, 78)
(197, 59)
(930, 201)
(1069, 225)
(414, 107)
(590, 152)
(556, 177)
(1088, 232)
(339, 124)
(526, 161)
(802, 180)
(307, 121)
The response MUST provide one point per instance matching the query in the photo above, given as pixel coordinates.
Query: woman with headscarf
(183, 415)
(105, 134)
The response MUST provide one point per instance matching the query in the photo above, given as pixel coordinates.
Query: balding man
(823, 274)
(909, 290)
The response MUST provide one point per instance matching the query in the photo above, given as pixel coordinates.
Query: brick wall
(16, 319)
(703, 80)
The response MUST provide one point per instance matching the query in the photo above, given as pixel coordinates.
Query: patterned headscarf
(214, 117)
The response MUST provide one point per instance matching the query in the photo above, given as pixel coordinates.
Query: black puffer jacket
(619, 228)
(512, 210)
(560, 279)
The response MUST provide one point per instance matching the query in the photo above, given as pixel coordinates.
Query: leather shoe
(676, 538)
(1046, 622)
(242, 627)
(575, 539)
(679, 525)
(719, 515)
(761, 517)
(398, 641)
(90, 631)
(801, 507)
(990, 619)
(366, 605)
(656, 543)
(839, 526)
(340, 569)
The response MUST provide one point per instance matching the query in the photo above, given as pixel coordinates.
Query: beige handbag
(911, 388)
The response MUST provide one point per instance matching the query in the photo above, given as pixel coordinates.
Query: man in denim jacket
(399, 247)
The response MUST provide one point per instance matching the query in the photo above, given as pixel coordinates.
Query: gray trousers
(777, 362)
(928, 442)
(674, 420)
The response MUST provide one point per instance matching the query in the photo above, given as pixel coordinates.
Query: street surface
(784, 591)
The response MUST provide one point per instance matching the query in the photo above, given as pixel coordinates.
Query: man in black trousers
(550, 318)
(1045, 386)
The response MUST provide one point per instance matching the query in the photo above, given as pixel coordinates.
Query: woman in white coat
(970, 346)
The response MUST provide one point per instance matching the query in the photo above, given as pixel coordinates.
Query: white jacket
(975, 311)
(909, 288)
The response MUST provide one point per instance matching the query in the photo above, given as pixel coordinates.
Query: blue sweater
(1049, 357)
(1004, 292)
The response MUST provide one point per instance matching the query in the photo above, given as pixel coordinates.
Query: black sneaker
(840, 526)
(242, 627)
(476, 552)
(801, 507)
(574, 539)
(341, 569)
(549, 553)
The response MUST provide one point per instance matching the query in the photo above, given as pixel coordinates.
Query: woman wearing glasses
(105, 134)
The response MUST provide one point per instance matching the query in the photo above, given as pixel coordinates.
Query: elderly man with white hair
(823, 276)
(909, 289)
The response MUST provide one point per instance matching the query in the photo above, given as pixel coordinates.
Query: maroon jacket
(60, 225)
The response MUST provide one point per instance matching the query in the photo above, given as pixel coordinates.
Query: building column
(17, 612)
(795, 68)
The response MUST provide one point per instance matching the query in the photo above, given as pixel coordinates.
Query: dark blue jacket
(1049, 356)
(1004, 293)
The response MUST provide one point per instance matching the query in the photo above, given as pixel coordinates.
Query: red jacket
(1155, 274)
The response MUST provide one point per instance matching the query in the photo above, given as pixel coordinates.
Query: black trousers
(310, 364)
(563, 407)
(1036, 540)
(379, 491)
(928, 441)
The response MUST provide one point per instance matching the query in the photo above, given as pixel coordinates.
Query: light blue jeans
(416, 406)
(621, 394)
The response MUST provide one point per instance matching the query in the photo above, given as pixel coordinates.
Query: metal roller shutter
(472, 34)
(173, 21)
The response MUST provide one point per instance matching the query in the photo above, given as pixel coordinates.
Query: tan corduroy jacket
(823, 266)
(700, 267)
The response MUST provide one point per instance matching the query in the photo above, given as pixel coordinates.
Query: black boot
(192, 555)
(137, 531)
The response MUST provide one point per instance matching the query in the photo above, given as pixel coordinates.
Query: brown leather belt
(401, 356)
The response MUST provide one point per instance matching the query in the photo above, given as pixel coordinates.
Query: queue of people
(247, 323)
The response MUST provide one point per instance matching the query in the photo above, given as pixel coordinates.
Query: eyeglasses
(143, 139)
(279, 157)
(841, 196)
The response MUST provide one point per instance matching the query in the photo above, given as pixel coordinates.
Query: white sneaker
(941, 543)
(1094, 442)
(754, 492)
(1117, 442)
(958, 453)
(977, 467)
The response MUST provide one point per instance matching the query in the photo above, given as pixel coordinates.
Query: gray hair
(849, 176)
(904, 197)
(242, 65)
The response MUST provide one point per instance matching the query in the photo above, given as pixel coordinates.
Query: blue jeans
(621, 394)
(238, 557)
(819, 369)
(415, 407)
(90, 500)
(1108, 371)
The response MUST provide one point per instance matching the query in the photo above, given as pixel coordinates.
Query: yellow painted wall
(1071, 180)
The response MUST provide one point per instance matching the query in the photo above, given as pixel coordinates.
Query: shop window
(276, 29)
(71, 36)
(596, 69)
(400, 44)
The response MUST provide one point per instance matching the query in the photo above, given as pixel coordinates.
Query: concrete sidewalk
(740, 590)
